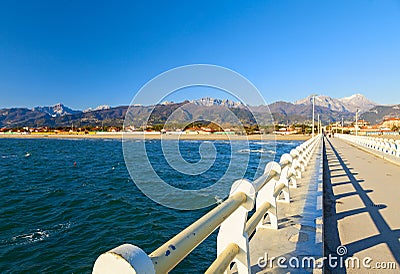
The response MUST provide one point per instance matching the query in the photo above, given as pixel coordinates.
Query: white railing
(231, 216)
(387, 146)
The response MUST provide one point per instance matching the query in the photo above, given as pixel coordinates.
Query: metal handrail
(224, 259)
(167, 256)
(261, 181)
(256, 218)
(278, 189)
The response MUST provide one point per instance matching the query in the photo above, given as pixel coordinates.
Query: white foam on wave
(288, 143)
(223, 142)
(32, 237)
(37, 235)
(8, 156)
(263, 143)
(257, 151)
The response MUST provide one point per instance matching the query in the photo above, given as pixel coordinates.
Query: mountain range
(55, 110)
(346, 104)
(330, 109)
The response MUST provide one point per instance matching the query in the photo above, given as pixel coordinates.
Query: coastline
(210, 137)
(157, 136)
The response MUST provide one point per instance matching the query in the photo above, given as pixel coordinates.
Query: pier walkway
(299, 237)
(361, 205)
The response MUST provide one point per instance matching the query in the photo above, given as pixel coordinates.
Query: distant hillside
(22, 117)
(15, 117)
(328, 108)
(378, 113)
(283, 112)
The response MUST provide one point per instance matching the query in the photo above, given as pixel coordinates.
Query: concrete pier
(299, 237)
(362, 207)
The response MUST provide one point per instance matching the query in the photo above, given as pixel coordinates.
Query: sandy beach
(157, 136)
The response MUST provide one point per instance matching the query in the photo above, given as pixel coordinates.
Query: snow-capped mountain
(102, 107)
(357, 101)
(323, 101)
(207, 101)
(346, 104)
(56, 110)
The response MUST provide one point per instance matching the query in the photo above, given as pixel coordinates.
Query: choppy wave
(289, 143)
(269, 151)
(36, 235)
(31, 237)
(263, 143)
(9, 156)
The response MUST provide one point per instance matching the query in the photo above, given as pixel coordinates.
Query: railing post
(232, 230)
(125, 258)
(397, 142)
(392, 149)
(309, 149)
(387, 146)
(374, 144)
(302, 160)
(292, 177)
(296, 164)
(381, 145)
(266, 194)
(369, 143)
(285, 162)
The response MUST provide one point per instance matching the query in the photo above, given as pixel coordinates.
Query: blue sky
(88, 53)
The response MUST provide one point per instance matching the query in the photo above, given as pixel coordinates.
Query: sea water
(65, 201)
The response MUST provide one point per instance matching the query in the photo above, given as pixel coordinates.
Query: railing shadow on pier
(386, 234)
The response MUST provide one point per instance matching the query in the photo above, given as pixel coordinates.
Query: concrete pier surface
(361, 209)
(299, 237)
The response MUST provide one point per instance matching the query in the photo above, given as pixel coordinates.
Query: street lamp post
(320, 126)
(313, 108)
(357, 122)
(342, 124)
